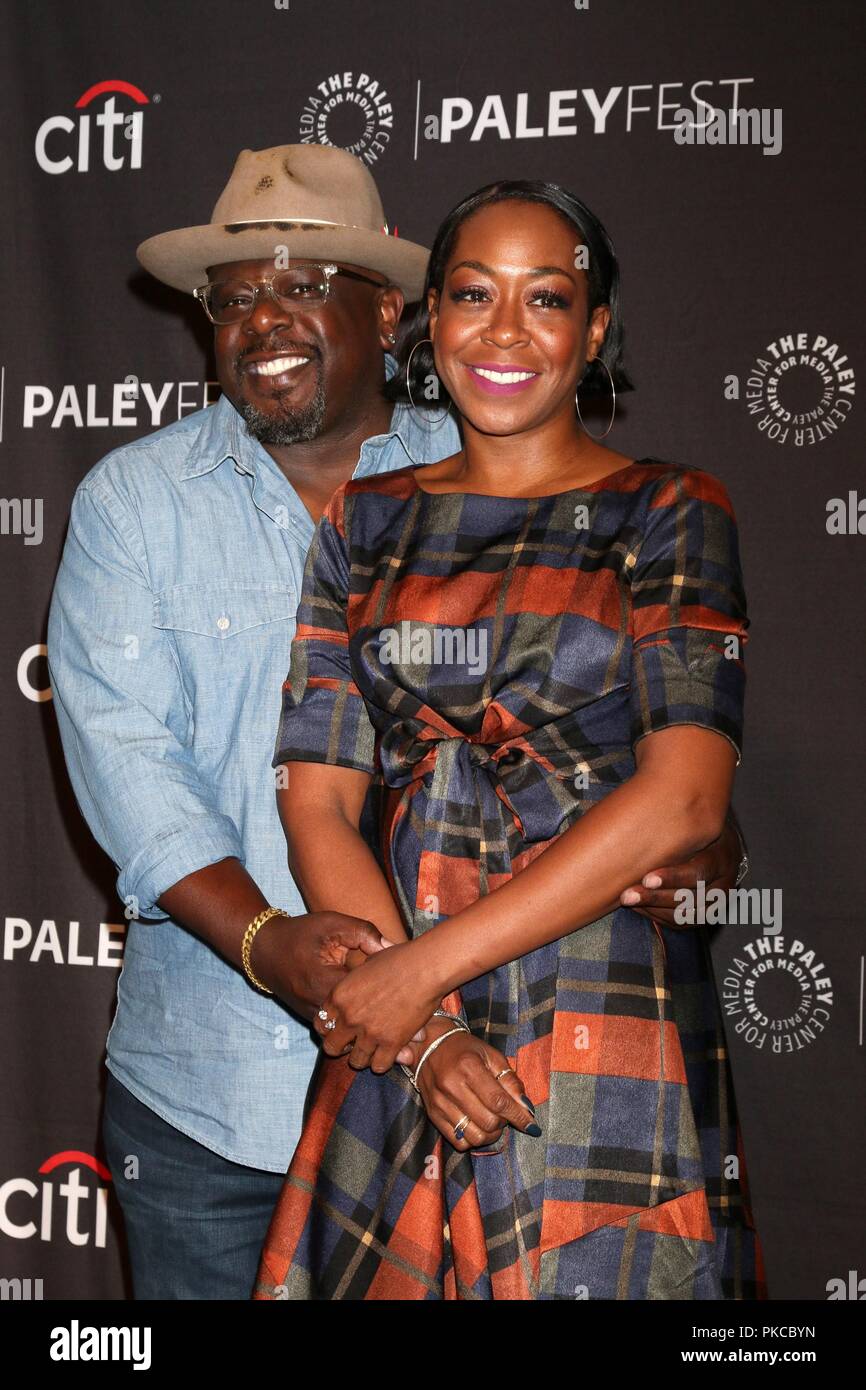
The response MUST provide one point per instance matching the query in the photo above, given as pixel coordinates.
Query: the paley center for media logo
(352, 111)
(800, 388)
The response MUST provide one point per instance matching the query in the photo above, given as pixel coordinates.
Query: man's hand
(302, 959)
(716, 864)
(378, 1010)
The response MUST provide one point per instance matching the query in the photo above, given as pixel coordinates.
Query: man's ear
(391, 301)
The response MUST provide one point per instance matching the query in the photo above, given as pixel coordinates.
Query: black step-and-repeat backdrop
(741, 243)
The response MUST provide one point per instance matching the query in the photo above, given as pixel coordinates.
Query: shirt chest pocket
(231, 643)
(223, 610)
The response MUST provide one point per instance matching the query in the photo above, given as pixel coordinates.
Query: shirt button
(223, 623)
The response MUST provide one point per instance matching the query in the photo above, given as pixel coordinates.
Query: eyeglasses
(301, 286)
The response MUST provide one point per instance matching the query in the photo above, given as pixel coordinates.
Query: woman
(530, 655)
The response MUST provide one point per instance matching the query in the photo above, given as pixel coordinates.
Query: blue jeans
(195, 1222)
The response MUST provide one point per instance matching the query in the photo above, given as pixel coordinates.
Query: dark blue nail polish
(528, 1103)
(534, 1130)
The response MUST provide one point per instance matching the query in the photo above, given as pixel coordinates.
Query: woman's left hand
(377, 1009)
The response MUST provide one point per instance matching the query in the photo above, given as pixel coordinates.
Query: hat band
(296, 222)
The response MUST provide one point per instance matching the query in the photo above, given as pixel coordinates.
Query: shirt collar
(426, 436)
(224, 435)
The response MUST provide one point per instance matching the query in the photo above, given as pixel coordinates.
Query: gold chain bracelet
(249, 937)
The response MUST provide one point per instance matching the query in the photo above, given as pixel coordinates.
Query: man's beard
(285, 425)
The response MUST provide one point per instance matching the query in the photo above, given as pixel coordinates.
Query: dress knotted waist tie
(465, 773)
(515, 767)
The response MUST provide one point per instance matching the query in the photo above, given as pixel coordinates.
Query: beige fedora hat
(316, 200)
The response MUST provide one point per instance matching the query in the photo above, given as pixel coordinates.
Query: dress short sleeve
(324, 718)
(688, 611)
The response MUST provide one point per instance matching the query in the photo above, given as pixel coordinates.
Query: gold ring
(459, 1128)
(504, 1073)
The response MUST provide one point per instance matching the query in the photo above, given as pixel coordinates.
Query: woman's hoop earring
(612, 413)
(430, 424)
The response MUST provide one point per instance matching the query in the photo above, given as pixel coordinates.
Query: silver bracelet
(408, 1072)
(437, 1042)
(437, 1013)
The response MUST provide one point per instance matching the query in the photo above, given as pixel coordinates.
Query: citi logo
(58, 150)
(29, 1209)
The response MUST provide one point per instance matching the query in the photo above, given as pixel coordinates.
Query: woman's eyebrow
(534, 273)
(473, 265)
(552, 270)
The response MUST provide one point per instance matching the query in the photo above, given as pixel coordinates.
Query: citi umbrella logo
(107, 128)
(70, 1202)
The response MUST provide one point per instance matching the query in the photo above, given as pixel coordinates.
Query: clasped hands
(311, 963)
(370, 1013)
(469, 1089)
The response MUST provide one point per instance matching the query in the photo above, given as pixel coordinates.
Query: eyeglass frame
(329, 269)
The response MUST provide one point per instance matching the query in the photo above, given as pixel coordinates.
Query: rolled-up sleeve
(124, 718)
(688, 612)
(324, 718)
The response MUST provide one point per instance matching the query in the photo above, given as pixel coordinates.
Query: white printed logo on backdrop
(351, 111)
(777, 994)
(800, 389)
(110, 135)
(69, 1204)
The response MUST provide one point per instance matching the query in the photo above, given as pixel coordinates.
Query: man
(168, 643)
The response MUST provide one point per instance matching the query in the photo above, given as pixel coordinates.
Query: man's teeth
(277, 365)
(503, 378)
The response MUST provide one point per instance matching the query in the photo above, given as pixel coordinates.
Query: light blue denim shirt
(168, 643)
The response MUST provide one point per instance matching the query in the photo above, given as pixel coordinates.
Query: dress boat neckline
(541, 497)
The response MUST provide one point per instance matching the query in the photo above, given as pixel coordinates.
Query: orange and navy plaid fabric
(610, 612)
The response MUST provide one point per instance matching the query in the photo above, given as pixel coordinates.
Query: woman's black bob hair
(602, 273)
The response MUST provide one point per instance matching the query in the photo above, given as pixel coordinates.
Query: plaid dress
(597, 615)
